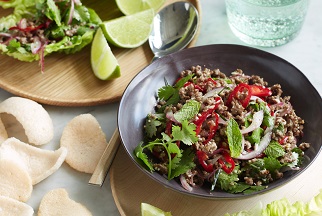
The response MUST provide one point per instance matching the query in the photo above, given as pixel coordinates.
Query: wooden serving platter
(131, 187)
(68, 80)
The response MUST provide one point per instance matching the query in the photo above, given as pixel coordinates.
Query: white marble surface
(305, 52)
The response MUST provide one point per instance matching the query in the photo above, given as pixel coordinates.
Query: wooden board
(130, 187)
(68, 79)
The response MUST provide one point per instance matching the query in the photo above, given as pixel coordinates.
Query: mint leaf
(234, 138)
(186, 163)
(272, 164)
(182, 81)
(274, 149)
(138, 152)
(256, 136)
(189, 110)
(186, 133)
(253, 189)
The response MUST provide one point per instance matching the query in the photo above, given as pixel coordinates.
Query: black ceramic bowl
(140, 97)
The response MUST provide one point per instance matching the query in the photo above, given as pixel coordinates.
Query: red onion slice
(256, 123)
(35, 46)
(261, 147)
(213, 92)
(169, 115)
(185, 184)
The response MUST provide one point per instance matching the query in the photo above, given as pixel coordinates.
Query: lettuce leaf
(285, 208)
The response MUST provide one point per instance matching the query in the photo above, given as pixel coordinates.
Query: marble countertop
(305, 52)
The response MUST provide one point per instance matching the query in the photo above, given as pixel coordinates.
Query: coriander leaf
(189, 110)
(13, 45)
(165, 92)
(274, 149)
(300, 154)
(234, 138)
(228, 182)
(253, 189)
(151, 124)
(138, 152)
(256, 136)
(186, 134)
(186, 163)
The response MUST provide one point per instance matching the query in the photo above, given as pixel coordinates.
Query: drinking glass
(266, 23)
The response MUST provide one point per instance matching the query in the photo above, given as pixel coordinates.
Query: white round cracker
(12, 207)
(3, 132)
(85, 141)
(14, 180)
(39, 163)
(57, 202)
(32, 116)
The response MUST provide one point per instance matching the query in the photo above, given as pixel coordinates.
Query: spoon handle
(106, 160)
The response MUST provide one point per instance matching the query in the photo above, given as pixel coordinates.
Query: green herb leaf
(138, 151)
(272, 164)
(166, 92)
(256, 136)
(182, 81)
(234, 138)
(189, 110)
(151, 124)
(186, 133)
(13, 45)
(274, 149)
(186, 163)
(52, 12)
(228, 182)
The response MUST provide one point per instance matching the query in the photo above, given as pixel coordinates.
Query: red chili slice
(239, 88)
(228, 160)
(260, 91)
(202, 158)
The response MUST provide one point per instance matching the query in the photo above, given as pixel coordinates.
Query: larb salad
(39, 27)
(234, 133)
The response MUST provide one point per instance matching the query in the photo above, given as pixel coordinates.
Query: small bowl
(139, 99)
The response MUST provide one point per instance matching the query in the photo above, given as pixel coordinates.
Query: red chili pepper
(202, 157)
(239, 88)
(212, 129)
(205, 115)
(228, 160)
(260, 91)
(283, 140)
(211, 80)
(194, 85)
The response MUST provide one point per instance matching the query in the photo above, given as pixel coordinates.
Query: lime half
(150, 210)
(103, 61)
(129, 31)
(129, 7)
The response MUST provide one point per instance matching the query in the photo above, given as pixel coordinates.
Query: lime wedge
(129, 31)
(128, 7)
(150, 210)
(104, 63)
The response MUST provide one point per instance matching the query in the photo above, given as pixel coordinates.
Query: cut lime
(129, 31)
(150, 210)
(129, 7)
(104, 63)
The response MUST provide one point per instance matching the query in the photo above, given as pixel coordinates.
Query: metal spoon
(173, 29)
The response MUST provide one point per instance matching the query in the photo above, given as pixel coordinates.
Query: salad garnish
(39, 27)
(233, 133)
